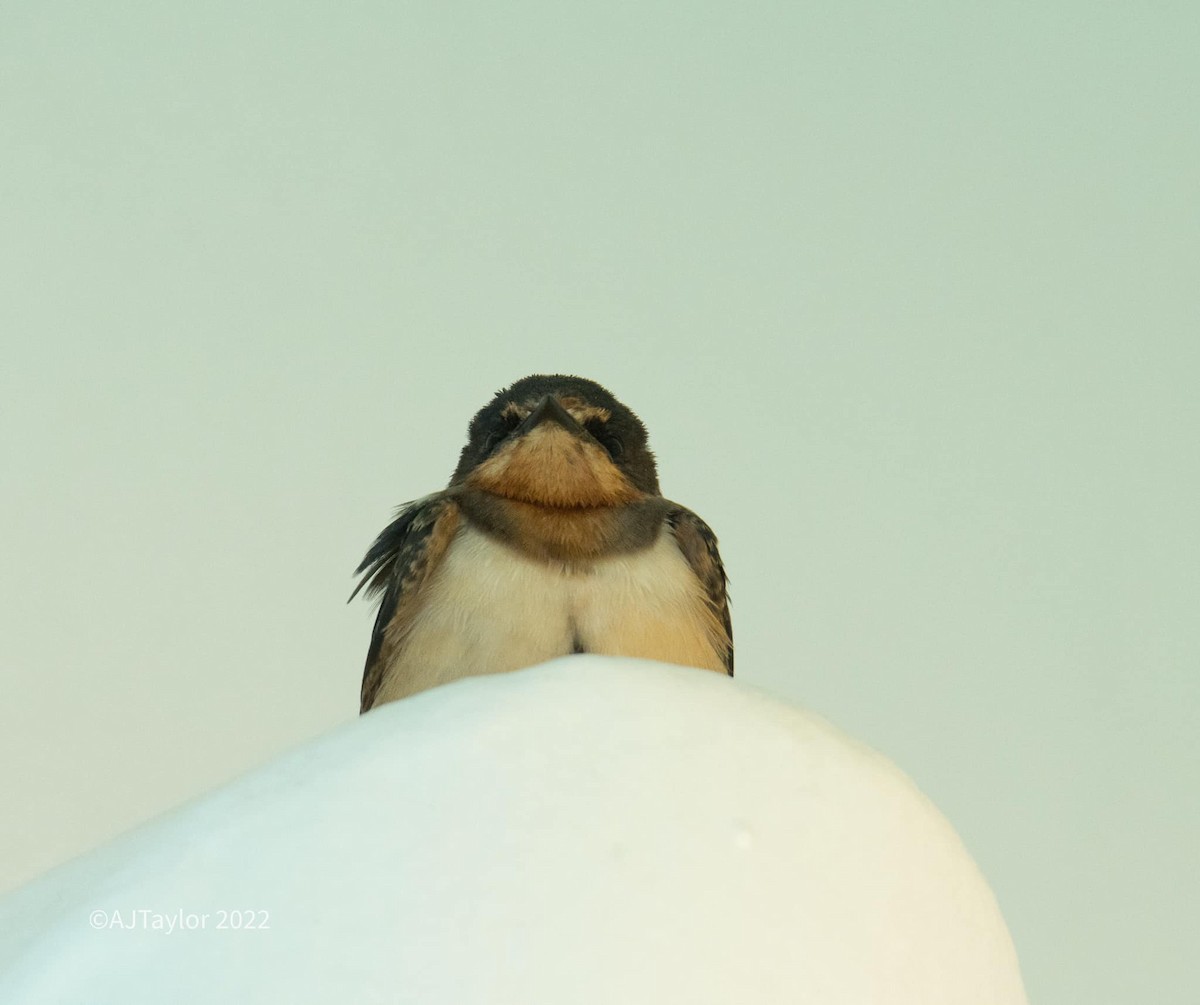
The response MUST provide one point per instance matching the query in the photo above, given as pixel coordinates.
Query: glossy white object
(591, 830)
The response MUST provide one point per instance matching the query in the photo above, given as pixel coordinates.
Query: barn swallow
(551, 538)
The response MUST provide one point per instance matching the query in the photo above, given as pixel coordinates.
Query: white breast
(489, 609)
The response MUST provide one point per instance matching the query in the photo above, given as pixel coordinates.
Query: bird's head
(558, 441)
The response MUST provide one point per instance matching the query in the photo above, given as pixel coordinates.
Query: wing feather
(397, 565)
(699, 546)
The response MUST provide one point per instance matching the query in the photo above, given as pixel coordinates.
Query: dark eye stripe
(611, 441)
(508, 422)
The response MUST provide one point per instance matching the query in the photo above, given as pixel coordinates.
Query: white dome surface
(592, 830)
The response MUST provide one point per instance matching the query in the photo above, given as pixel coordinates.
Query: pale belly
(488, 609)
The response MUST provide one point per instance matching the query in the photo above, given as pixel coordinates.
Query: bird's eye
(508, 423)
(608, 439)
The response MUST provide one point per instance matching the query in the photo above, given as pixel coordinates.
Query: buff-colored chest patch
(489, 609)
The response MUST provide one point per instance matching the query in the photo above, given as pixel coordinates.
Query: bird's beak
(549, 410)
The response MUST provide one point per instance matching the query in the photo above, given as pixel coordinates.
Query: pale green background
(907, 297)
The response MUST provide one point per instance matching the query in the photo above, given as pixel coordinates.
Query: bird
(551, 538)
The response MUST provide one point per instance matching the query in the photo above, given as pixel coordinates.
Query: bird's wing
(398, 565)
(699, 546)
